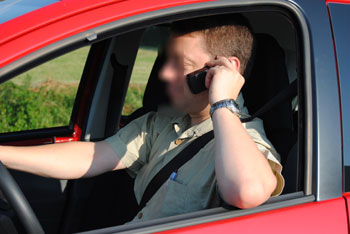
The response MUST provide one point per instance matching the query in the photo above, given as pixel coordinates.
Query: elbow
(251, 195)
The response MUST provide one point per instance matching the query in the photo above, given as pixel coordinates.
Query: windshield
(10, 9)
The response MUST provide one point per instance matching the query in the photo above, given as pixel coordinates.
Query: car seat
(268, 77)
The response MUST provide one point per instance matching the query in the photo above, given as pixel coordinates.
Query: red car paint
(30, 32)
(337, 1)
(316, 218)
(21, 36)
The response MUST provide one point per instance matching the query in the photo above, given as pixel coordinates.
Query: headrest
(155, 90)
(267, 78)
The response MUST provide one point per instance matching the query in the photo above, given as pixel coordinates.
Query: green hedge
(44, 96)
(133, 99)
(23, 107)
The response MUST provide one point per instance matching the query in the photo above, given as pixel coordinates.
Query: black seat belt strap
(185, 155)
(289, 92)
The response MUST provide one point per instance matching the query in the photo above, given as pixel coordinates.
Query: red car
(300, 42)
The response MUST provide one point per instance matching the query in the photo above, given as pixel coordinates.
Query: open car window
(44, 96)
(275, 68)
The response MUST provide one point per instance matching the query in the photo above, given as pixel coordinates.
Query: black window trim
(36, 134)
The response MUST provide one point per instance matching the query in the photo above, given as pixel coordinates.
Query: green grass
(143, 65)
(133, 99)
(44, 96)
(138, 80)
(68, 68)
(64, 69)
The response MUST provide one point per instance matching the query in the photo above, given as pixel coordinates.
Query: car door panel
(47, 196)
(314, 217)
(339, 16)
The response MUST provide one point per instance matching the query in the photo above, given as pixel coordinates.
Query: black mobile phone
(196, 80)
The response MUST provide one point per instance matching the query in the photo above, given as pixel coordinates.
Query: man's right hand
(62, 161)
(223, 79)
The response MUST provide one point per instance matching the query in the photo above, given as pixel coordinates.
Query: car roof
(27, 33)
(10, 9)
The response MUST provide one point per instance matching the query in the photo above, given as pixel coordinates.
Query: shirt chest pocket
(180, 198)
(174, 200)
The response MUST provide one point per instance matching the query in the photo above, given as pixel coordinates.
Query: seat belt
(289, 92)
(192, 149)
(180, 159)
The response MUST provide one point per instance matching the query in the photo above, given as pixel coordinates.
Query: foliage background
(44, 96)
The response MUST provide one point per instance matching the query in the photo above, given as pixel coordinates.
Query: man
(240, 167)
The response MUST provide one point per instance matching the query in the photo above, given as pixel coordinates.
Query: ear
(235, 61)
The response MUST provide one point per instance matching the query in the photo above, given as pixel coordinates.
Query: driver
(240, 167)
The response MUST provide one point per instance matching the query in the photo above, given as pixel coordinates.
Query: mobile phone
(196, 80)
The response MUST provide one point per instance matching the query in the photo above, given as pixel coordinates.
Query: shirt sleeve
(256, 131)
(133, 143)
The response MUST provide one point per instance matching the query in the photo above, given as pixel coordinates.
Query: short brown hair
(224, 35)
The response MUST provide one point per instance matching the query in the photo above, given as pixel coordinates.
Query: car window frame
(44, 135)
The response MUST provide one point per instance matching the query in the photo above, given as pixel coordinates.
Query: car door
(310, 207)
(51, 104)
(339, 15)
(42, 106)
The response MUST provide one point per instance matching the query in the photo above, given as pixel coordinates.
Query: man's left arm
(245, 178)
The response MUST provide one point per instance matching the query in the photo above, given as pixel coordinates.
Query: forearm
(63, 161)
(244, 176)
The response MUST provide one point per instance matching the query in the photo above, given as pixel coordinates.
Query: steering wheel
(19, 203)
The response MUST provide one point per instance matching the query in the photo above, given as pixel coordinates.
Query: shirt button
(139, 215)
(178, 141)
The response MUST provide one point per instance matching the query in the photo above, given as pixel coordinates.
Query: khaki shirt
(148, 143)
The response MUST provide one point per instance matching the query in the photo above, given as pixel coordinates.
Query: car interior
(107, 200)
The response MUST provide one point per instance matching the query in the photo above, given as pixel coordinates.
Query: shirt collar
(183, 129)
(182, 124)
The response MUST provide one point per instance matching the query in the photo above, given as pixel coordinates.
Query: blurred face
(185, 54)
